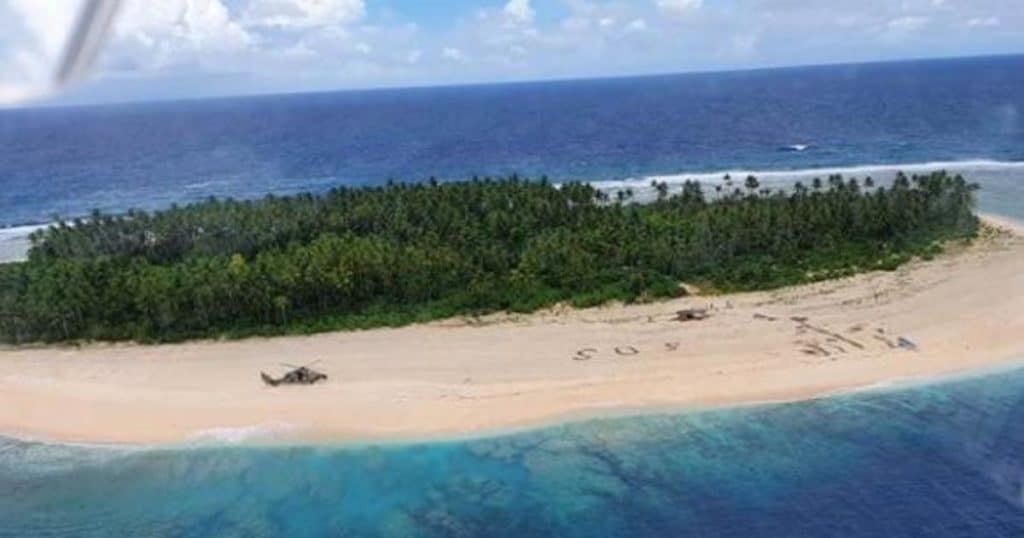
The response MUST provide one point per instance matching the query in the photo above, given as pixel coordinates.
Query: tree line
(400, 253)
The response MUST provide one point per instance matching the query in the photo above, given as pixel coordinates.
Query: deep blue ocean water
(944, 460)
(67, 161)
(940, 460)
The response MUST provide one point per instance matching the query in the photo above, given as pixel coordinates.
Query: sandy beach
(962, 311)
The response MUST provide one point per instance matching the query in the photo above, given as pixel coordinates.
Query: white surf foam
(241, 434)
(14, 242)
(26, 454)
(876, 171)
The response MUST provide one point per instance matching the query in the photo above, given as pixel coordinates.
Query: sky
(167, 49)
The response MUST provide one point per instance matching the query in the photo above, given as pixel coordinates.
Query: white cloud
(302, 13)
(32, 36)
(453, 54)
(299, 50)
(519, 11)
(679, 6)
(983, 22)
(208, 35)
(48, 22)
(151, 35)
(908, 23)
(637, 25)
(744, 45)
(357, 43)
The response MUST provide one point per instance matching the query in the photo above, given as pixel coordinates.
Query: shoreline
(260, 436)
(14, 242)
(1009, 224)
(501, 374)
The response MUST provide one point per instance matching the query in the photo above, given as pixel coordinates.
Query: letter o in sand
(627, 351)
(584, 354)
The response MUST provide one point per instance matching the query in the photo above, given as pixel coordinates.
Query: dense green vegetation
(410, 252)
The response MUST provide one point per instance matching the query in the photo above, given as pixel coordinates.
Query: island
(497, 304)
(404, 253)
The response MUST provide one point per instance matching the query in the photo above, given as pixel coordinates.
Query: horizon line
(483, 83)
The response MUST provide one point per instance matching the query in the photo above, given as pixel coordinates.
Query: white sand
(964, 310)
(14, 243)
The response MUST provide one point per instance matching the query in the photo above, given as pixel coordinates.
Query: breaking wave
(25, 455)
(14, 241)
(241, 434)
(880, 172)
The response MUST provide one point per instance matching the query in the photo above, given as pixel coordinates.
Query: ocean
(966, 114)
(932, 460)
(940, 460)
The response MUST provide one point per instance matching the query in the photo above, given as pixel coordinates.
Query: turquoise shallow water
(936, 460)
